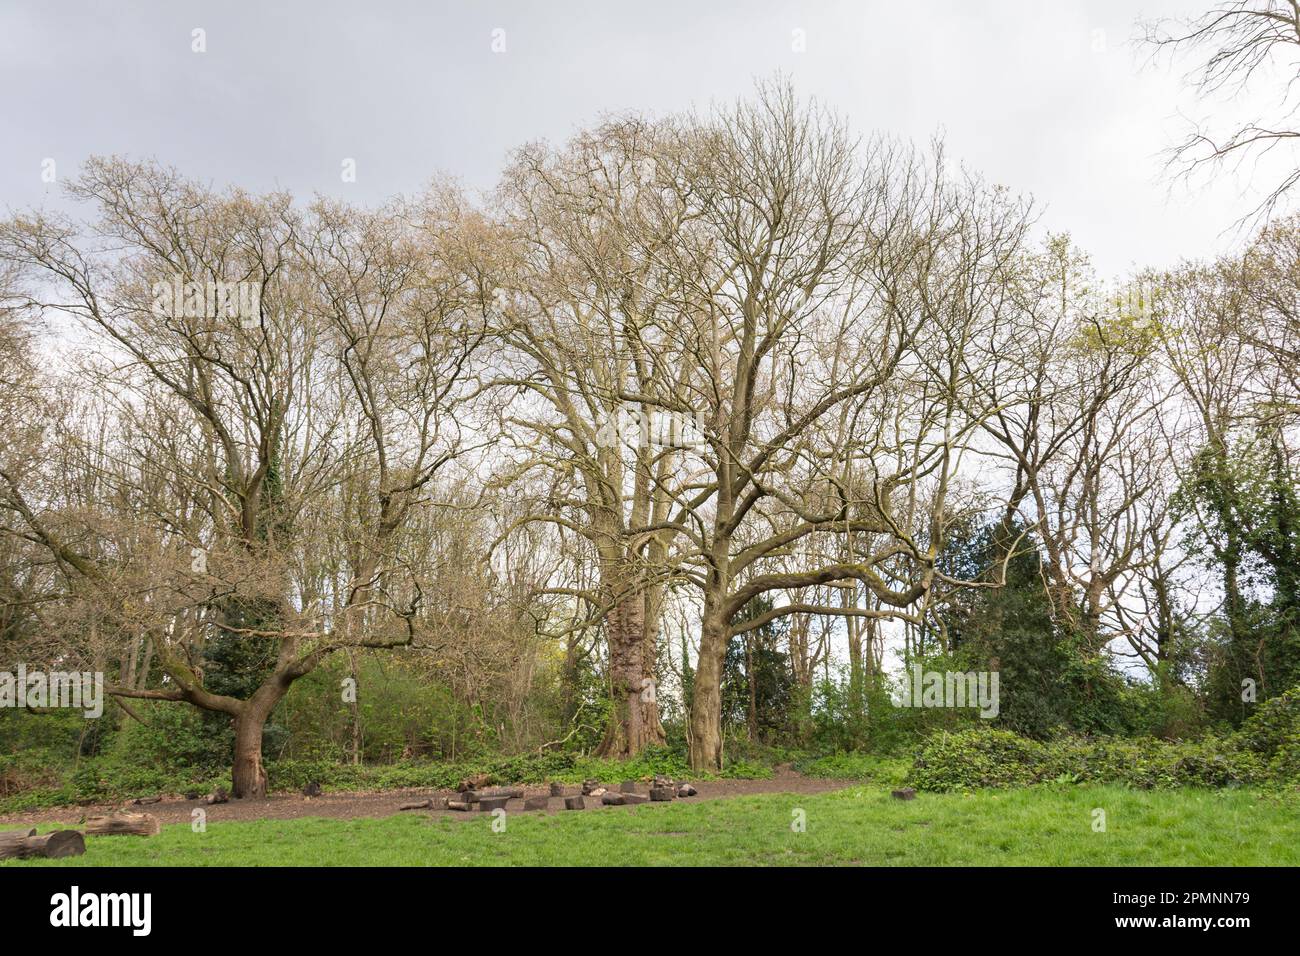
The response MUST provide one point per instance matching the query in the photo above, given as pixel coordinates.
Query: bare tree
(256, 361)
(1239, 44)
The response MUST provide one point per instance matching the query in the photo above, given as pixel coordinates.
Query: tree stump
(23, 844)
(123, 824)
(557, 789)
(627, 786)
(575, 803)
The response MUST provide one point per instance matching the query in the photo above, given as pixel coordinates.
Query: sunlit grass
(863, 826)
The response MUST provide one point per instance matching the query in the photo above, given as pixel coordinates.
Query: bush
(976, 759)
(1275, 726)
(982, 758)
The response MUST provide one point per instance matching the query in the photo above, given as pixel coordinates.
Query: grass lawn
(1038, 826)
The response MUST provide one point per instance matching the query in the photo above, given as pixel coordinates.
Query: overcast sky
(1048, 98)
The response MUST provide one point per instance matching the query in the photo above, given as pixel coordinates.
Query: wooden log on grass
(123, 824)
(24, 844)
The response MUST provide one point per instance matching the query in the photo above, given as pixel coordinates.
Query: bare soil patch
(360, 805)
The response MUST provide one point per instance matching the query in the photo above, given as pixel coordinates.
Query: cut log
(123, 824)
(488, 804)
(557, 789)
(460, 805)
(628, 786)
(611, 799)
(575, 803)
(632, 799)
(662, 794)
(12, 840)
(217, 796)
(418, 805)
(686, 790)
(142, 801)
(537, 803)
(512, 793)
(589, 787)
(23, 844)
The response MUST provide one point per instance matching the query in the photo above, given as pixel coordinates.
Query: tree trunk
(751, 717)
(248, 776)
(634, 724)
(706, 706)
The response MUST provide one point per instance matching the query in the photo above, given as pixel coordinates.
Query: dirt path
(348, 806)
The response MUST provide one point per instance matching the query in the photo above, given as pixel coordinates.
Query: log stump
(123, 824)
(24, 844)
(575, 803)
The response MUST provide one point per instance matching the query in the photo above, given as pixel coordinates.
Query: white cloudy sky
(1049, 98)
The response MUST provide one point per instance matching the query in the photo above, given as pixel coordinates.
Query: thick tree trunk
(248, 776)
(706, 705)
(634, 724)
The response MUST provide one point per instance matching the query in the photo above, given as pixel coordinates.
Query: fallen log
(123, 824)
(418, 805)
(510, 793)
(11, 840)
(23, 845)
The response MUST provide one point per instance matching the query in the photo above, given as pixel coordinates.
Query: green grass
(1036, 826)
